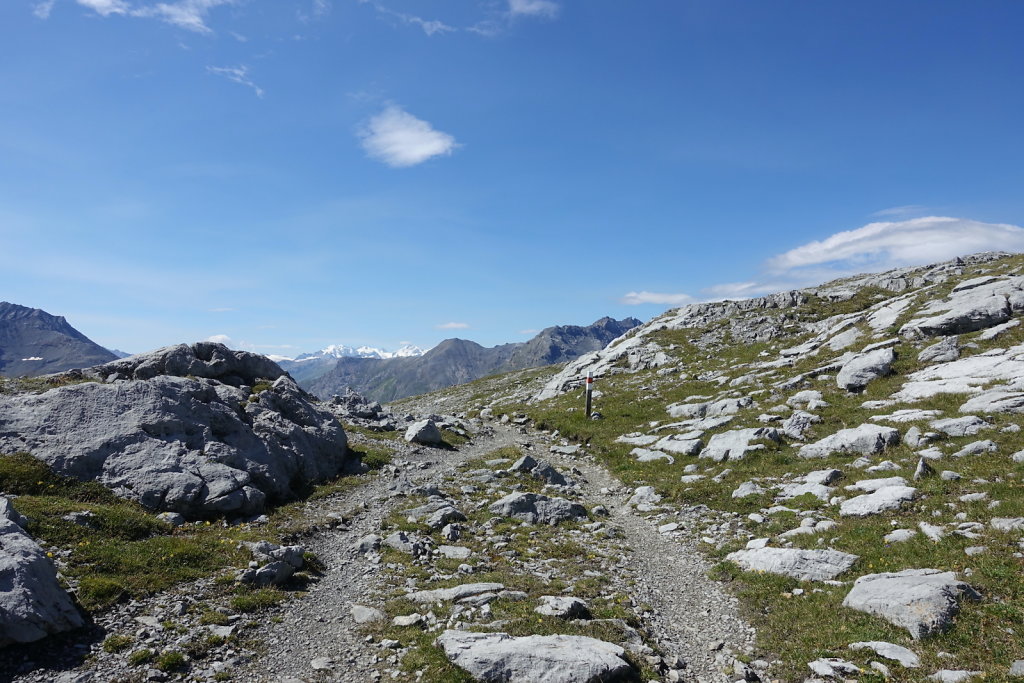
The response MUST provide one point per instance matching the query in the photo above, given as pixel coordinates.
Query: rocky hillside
(456, 361)
(33, 342)
(851, 454)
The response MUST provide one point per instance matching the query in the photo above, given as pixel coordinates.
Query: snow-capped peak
(343, 351)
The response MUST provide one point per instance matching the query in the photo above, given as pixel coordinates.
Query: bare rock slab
(553, 659)
(806, 565)
(923, 601)
(897, 653)
(466, 590)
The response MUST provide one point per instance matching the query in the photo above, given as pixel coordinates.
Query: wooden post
(590, 391)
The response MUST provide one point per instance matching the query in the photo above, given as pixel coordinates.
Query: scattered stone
(941, 352)
(923, 470)
(737, 443)
(951, 676)
(366, 615)
(960, 426)
(977, 448)
(466, 590)
(747, 488)
(899, 535)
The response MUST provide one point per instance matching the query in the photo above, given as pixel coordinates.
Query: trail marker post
(590, 392)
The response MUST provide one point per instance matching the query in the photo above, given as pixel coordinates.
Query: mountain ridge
(34, 342)
(456, 361)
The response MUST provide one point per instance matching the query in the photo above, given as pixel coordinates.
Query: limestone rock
(537, 509)
(882, 500)
(424, 432)
(806, 565)
(553, 659)
(736, 444)
(563, 607)
(466, 590)
(197, 442)
(867, 439)
(33, 604)
(941, 352)
(898, 653)
(857, 373)
(923, 601)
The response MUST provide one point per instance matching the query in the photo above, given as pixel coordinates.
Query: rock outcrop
(196, 429)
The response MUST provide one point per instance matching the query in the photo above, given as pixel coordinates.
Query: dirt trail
(690, 616)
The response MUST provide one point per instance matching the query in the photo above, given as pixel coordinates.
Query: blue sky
(295, 174)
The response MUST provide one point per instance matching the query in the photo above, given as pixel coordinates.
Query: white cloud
(106, 7)
(186, 14)
(533, 8)
(42, 9)
(636, 298)
(453, 326)
(237, 74)
(429, 26)
(399, 139)
(221, 339)
(882, 245)
(321, 8)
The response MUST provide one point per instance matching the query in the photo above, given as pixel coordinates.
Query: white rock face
(554, 659)
(726, 406)
(562, 606)
(923, 601)
(736, 444)
(33, 604)
(940, 352)
(960, 426)
(866, 439)
(648, 455)
(857, 373)
(872, 485)
(806, 565)
(680, 444)
(995, 401)
(882, 500)
(969, 308)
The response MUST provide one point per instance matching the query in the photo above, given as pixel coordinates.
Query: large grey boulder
(867, 439)
(857, 373)
(969, 307)
(806, 565)
(737, 443)
(552, 659)
(960, 426)
(995, 401)
(33, 604)
(923, 601)
(199, 443)
(424, 432)
(535, 508)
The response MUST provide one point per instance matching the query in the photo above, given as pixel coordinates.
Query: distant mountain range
(33, 342)
(309, 366)
(453, 361)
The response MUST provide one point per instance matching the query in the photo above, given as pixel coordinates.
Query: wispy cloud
(637, 298)
(190, 15)
(429, 26)
(452, 326)
(42, 9)
(399, 139)
(533, 8)
(105, 7)
(900, 211)
(237, 74)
